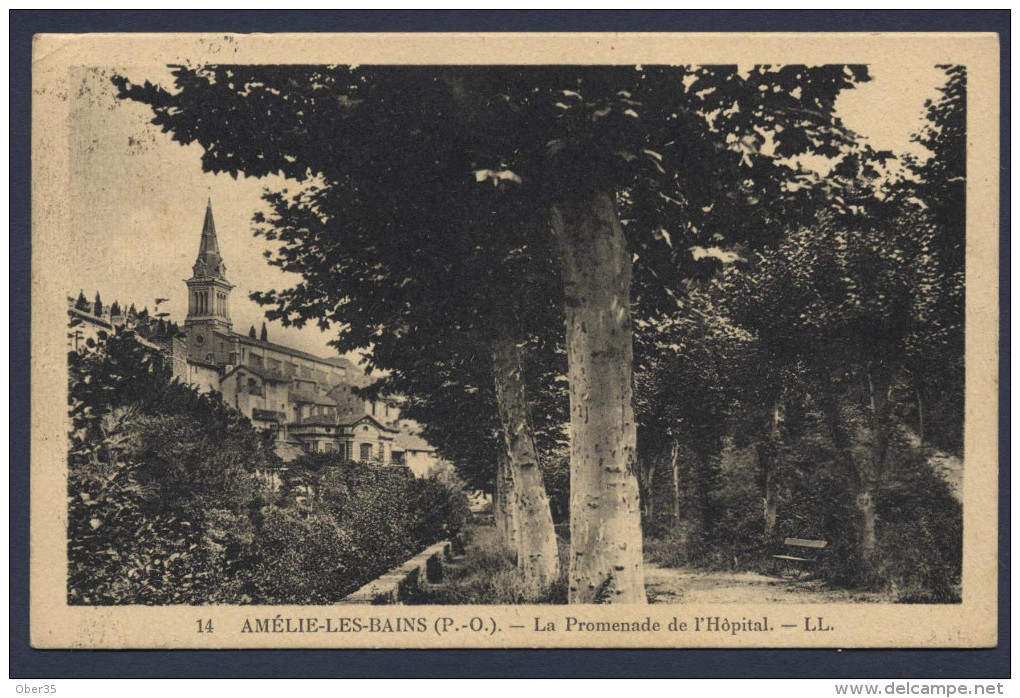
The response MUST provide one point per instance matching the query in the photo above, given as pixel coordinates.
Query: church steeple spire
(209, 262)
(208, 288)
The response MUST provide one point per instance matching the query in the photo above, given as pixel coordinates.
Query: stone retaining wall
(401, 582)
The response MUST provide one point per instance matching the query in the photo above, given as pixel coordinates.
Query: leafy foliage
(942, 178)
(690, 151)
(812, 316)
(147, 458)
(169, 498)
(847, 329)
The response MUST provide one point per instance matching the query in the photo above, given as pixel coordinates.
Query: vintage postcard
(514, 340)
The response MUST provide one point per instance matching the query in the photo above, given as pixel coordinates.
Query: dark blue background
(28, 663)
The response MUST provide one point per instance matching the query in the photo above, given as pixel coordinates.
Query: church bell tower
(208, 297)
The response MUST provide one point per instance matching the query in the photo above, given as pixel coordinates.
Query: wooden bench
(797, 545)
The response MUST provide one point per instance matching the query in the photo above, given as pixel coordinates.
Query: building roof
(209, 263)
(348, 415)
(287, 452)
(301, 396)
(204, 364)
(266, 375)
(338, 361)
(83, 315)
(409, 441)
(252, 342)
(317, 420)
(369, 418)
(106, 324)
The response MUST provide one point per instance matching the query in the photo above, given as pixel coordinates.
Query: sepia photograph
(656, 346)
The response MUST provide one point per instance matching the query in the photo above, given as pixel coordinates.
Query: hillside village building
(308, 402)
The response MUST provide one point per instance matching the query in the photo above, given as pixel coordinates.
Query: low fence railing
(404, 581)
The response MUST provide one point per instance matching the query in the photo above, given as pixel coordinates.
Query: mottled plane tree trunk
(505, 505)
(537, 551)
(605, 515)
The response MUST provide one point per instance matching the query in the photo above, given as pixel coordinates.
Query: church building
(308, 402)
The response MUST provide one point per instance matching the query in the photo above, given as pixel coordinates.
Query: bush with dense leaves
(388, 514)
(148, 460)
(298, 557)
(168, 502)
(920, 541)
(919, 534)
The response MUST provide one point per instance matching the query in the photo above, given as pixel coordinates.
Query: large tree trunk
(605, 515)
(866, 508)
(768, 455)
(498, 507)
(674, 467)
(508, 511)
(646, 482)
(860, 475)
(880, 381)
(770, 503)
(537, 552)
(650, 491)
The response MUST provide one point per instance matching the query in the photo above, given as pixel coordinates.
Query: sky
(138, 198)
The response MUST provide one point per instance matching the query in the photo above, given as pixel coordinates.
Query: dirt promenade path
(667, 585)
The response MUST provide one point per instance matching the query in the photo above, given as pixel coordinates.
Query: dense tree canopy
(437, 209)
(402, 164)
(685, 154)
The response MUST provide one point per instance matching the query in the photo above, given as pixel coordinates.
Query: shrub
(920, 540)
(919, 532)
(299, 557)
(437, 513)
(165, 503)
(385, 514)
(121, 549)
(117, 553)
